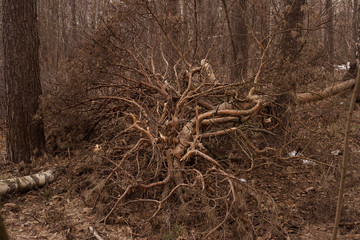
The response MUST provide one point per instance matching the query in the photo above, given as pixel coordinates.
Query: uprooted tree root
(173, 141)
(163, 157)
(174, 166)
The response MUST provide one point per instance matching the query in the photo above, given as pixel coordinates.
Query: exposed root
(167, 140)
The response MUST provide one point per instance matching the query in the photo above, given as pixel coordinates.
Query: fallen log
(323, 94)
(28, 182)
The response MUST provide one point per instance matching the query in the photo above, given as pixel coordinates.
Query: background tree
(355, 23)
(3, 232)
(293, 22)
(329, 37)
(25, 130)
(235, 13)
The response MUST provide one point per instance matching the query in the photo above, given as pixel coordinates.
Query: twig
(129, 101)
(118, 166)
(266, 149)
(309, 159)
(160, 203)
(197, 128)
(117, 202)
(146, 132)
(232, 190)
(262, 60)
(201, 154)
(219, 120)
(94, 232)
(219, 133)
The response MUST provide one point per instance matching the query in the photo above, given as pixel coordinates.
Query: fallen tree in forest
(327, 92)
(28, 182)
(160, 154)
(172, 135)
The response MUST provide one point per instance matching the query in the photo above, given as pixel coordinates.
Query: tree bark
(241, 45)
(73, 21)
(355, 22)
(28, 182)
(264, 22)
(329, 40)
(25, 129)
(294, 17)
(3, 233)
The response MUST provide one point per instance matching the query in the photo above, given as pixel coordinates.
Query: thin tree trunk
(265, 22)
(329, 42)
(3, 232)
(355, 23)
(345, 158)
(238, 21)
(73, 21)
(73, 30)
(347, 135)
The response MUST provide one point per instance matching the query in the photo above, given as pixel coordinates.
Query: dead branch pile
(159, 150)
(171, 139)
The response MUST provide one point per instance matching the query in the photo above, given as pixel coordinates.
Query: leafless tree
(329, 40)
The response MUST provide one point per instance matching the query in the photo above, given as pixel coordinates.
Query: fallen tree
(167, 157)
(323, 94)
(172, 135)
(28, 182)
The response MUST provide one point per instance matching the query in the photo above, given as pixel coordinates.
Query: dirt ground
(305, 192)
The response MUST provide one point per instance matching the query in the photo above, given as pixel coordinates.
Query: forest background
(198, 118)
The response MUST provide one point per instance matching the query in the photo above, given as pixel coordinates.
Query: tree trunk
(3, 233)
(290, 43)
(73, 22)
(25, 129)
(238, 21)
(264, 21)
(355, 24)
(329, 40)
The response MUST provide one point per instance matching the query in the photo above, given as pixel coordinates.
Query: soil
(305, 192)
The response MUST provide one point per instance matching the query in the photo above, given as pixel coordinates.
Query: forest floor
(305, 194)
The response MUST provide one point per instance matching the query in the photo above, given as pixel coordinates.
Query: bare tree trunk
(3, 232)
(25, 130)
(94, 14)
(329, 40)
(355, 23)
(63, 26)
(83, 15)
(73, 20)
(56, 21)
(346, 157)
(73, 29)
(240, 35)
(290, 44)
(265, 21)
(2, 84)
